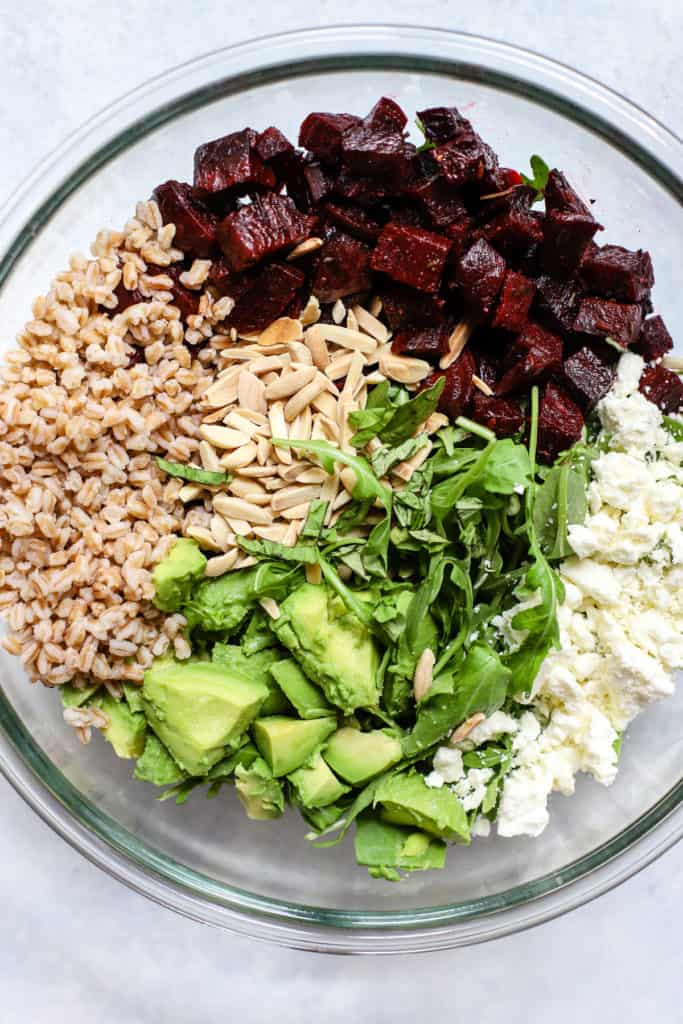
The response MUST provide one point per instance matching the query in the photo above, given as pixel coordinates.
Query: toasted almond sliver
(328, 493)
(263, 450)
(223, 437)
(244, 561)
(348, 339)
(402, 368)
(423, 675)
(289, 383)
(348, 478)
(208, 457)
(190, 492)
(278, 428)
(339, 367)
(343, 498)
(374, 378)
(309, 245)
(314, 573)
(375, 306)
(251, 392)
(326, 404)
(311, 475)
(255, 417)
(243, 353)
(221, 532)
(300, 354)
(239, 508)
(482, 385)
(290, 497)
(459, 337)
(257, 472)
(338, 312)
(203, 537)
(353, 377)
(300, 428)
(466, 727)
(317, 346)
(282, 330)
(270, 607)
(351, 320)
(292, 533)
(267, 363)
(275, 483)
(311, 312)
(297, 403)
(295, 512)
(275, 532)
(405, 470)
(222, 563)
(240, 457)
(434, 422)
(250, 490)
(239, 422)
(371, 325)
(218, 415)
(223, 391)
(240, 526)
(673, 362)
(330, 428)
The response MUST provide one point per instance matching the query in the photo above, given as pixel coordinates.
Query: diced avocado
(261, 795)
(287, 743)
(320, 818)
(358, 756)
(316, 785)
(175, 576)
(225, 769)
(74, 698)
(406, 799)
(222, 604)
(307, 698)
(126, 730)
(133, 695)
(332, 646)
(198, 710)
(384, 848)
(255, 667)
(156, 764)
(258, 635)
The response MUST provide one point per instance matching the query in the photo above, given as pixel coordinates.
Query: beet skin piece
(516, 229)
(617, 273)
(321, 134)
(386, 116)
(457, 393)
(504, 416)
(361, 188)
(605, 318)
(587, 377)
(515, 299)
(404, 308)
(195, 224)
(654, 340)
(229, 162)
(466, 158)
(424, 342)
(479, 274)
(342, 268)
(354, 220)
(267, 225)
(568, 226)
(560, 423)
(663, 387)
(539, 353)
(412, 256)
(558, 301)
(384, 154)
(272, 144)
(440, 201)
(271, 290)
(441, 124)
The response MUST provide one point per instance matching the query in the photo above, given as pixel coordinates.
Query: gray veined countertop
(75, 945)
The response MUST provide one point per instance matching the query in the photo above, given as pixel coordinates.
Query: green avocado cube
(316, 785)
(156, 764)
(260, 794)
(256, 667)
(287, 743)
(175, 576)
(127, 730)
(308, 699)
(385, 848)
(406, 799)
(359, 756)
(75, 698)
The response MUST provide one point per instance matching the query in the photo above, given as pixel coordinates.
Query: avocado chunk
(287, 743)
(260, 794)
(258, 635)
(255, 667)
(156, 764)
(126, 730)
(385, 849)
(316, 785)
(308, 699)
(75, 698)
(133, 694)
(359, 756)
(334, 649)
(175, 576)
(198, 710)
(406, 799)
(320, 818)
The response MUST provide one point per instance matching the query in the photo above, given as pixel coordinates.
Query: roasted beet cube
(386, 116)
(557, 301)
(479, 274)
(605, 318)
(441, 124)
(568, 226)
(488, 363)
(404, 216)
(515, 299)
(516, 229)
(460, 234)
(231, 162)
(617, 273)
(184, 298)
(560, 423)
(354, 219)
(412, 256)
(384, 154)
(262, 228)
(654, 340)
(342, 268)
(504, 416)
(457, 393)
(663, 387)
(422, 342)
(440, 201)
(537, 353)
(272, 288)
(360, 187)
(317, 184)
(195, 224)
(272, 144)
(321, 134)
(405, 308)
(587, 376)
(464, 159)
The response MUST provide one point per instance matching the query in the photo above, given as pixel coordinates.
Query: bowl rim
(26, 766)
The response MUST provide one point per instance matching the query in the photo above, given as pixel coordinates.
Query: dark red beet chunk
(271, 291)
(184, 298)
(441, 124)
(617, 273)
(458, 389)
(663, 387)
(229, 162)
(384, 154)
(515, 299)
(516, 229)
(195, 224)
(424, 342)
(317, 184)
(412, 256)
(342, 268)
(587, 377)
(271, 144)
(568, 226)
(321, 134)
(355, 220)
(361, 188)
(479, 274)
(466, 158)
(504, 416)
(558, 301)
(538, 352)
(264, 227)
(404, 308)
(127, 297)
(654, 341)
(560, 423)
(386, 116)
(605, 318)
(441, 202)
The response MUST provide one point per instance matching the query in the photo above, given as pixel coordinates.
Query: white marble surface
(75, 945)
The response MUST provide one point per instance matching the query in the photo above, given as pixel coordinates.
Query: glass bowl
(205, 859)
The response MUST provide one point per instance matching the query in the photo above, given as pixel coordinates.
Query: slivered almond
(223, 437)
(203, 537)
(348, 339)
(375, 377)
(375, 306)
(270, 607)
(338, 312)
(317, 346)
(281, 331)
(338, 367)
(348, 478)
(221, 532)
(190, 491)
(673, 362)
(326, 404)
(343, 498)
(222, 563)
(243, 353)
(466, 727)
(303, 248)
(240, 457)
(278, 428)
(300, 428)
(238, 422)
(223, 391)
(434, 422)
(459, 337)
(405, 470)
(275, 483)
(328, 493)
(311, 312)
(371, 325)
(299, 353)
(251, 392)
(402, 368)
(239, 508)
(250, 490)
(244, 561)
(289, 497)
(297, 403)
(208, 457)
(218, 415)
(310, 475)
(263, 450)
(240, 526)
(288, 384)
(267, 363)
(275, 532)
(314, 573)
(256, 472)
(295, 511)
(351, 320)
(355, 372)
(482, 385)
(330, 428)
(292, 532)
(423, 675)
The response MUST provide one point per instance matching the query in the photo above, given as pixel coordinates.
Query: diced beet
(405, 216)
(384, 154)
(503, 178)
(605, 318)
(654, 340)
(617, 273)
(460, 234)
(354, 219)
(195, 224)
(488, 364)
(411, 256)
(560, 422)
(504, 416)
(441, 124)
(264, 227)
(342, 268)
(423, 342)
(466, 158)
(405, 308)
(457, 393)
(663, 387)
(360, 187)
(184, 298)
(515, 299)
(321, 134)
(271, 144)
(317, 184)
(538, 353)
(230, 162)
(440, 201)
(386, 116)
(516, 228)
(587, 376)
(227, 281)
(479, 274)
(568, 226)
(558, 301)
(127, 297)
(272, 288)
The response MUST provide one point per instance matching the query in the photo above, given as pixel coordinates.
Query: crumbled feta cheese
(491, 728)
(448, 763)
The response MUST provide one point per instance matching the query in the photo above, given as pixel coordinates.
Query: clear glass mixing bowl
(205, 859)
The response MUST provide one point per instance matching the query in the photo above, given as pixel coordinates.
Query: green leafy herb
(427, 144)
(193, 473)
(507, 469)
(367, 487)
(408, 417)
(384, 459)
(303, 553)
(315, 520)
(539, 176)
(674, 427)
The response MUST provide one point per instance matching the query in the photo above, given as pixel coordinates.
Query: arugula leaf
(357, 607)
(380, 395)
(507, 468)
(366, 488)
(539, 179)
(302, 553)
(193, 473)
(385, 459)
(367, 423)
(427, 144)
(560, 501)
(315, 520)
(407, 418)
(674, 427)
(446, 493)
